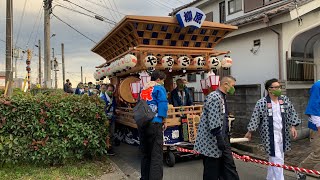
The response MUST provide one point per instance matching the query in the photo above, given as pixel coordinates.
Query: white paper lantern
(150, 61)
(167, 62)
(214, 63)
(199, 62)
(108, 71)
(113, 68)
(183, 62)
(95, 75)
(226, 62)
(130, 61)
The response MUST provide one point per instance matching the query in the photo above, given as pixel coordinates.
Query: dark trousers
(151, 142)
(222, 168)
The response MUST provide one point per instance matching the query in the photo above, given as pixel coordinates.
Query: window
(222, 12)
(234, 6)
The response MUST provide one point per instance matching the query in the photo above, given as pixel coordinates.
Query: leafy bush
(51, 128)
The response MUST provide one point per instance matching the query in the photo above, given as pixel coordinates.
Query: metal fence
(299, 71)
(198, 96)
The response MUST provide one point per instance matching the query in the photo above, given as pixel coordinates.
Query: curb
(116, 174)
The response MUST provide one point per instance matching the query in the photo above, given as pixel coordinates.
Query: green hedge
(51, 128)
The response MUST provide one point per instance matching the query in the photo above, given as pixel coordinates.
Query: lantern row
(167, 62)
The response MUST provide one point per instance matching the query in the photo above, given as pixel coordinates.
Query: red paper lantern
(214, 81)
(145, 78)
(204, 86)
(135, 88)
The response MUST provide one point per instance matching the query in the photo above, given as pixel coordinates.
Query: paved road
(128, 160)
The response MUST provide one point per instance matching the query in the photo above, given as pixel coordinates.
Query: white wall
(291, 29)
(248, 68)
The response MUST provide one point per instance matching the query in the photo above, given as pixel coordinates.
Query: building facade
(275, 39)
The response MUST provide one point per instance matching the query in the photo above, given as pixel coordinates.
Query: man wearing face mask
(275, 117)
(213, 140)
(107, 96)
(181, 96)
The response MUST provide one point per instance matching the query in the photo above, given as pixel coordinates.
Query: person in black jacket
(66, 86)
(181, 95)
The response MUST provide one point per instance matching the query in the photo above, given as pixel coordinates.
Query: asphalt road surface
(128, 160)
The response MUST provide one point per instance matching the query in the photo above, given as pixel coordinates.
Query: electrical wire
(101, 5)
(164, 5)
(74, 28)
(21, 20)
(37, 35)
(34, 25)
(84, 14)
(108, 10)
(89, 11)
(115, 5)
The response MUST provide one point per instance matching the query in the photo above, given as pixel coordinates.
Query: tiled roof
(273, 10)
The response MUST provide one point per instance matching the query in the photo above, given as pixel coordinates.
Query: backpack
(142, 113)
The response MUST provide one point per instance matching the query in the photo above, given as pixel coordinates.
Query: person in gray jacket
(213, 140)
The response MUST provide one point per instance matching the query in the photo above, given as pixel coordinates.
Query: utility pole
(63, 70)
(55, 73)
(81, 75)
(47, 66)
(9, 75)
(39, 75)
(85, 80)
(52, 66)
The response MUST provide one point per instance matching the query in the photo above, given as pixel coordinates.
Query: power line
(101, 5)
(21, 20)
(115, 5)
(74, 28)
(35, 39)
(109, 10)
(89, 11)
(34, 25)
(95, 17)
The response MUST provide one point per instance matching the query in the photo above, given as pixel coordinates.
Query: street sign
(190, 17)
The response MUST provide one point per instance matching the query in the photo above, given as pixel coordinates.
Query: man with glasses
(275, 117)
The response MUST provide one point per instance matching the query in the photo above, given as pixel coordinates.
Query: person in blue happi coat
(151, 136)
(107, 96)
(313, 112)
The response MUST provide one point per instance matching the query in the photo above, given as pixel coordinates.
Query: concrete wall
(249, 68)
(242, 105)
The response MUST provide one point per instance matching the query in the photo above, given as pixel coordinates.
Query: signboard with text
(190, 17)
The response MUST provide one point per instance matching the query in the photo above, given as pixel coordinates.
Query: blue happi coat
(156, 97)
(313, 107)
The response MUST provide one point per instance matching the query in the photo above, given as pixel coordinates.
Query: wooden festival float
(140, 44)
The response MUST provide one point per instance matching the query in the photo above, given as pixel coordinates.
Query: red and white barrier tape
(249, 159)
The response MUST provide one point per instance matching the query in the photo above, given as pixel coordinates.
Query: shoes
(110, 152)
(301, 176)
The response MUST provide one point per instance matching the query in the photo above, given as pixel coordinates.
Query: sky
(28, 29)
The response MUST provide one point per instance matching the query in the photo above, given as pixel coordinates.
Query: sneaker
(110, 152)
(301, 176)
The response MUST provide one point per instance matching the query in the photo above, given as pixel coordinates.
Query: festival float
(176, 45)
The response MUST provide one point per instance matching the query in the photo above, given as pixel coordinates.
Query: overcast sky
(77, 48)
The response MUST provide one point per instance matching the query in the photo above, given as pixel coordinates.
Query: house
(275, 39)
(2, 79)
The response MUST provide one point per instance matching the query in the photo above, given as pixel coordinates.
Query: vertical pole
(81, 75)
(28, 67)
(9, 17)
(85, 80)
(47, 68)
(52, 66)
(39, 75)
(63, 70)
